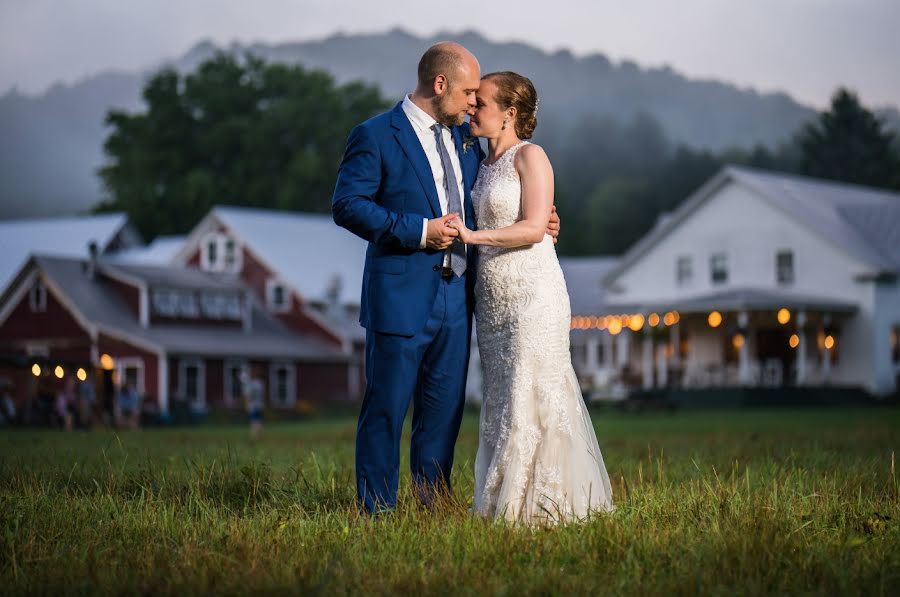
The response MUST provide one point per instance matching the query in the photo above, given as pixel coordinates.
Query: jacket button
(435, 268)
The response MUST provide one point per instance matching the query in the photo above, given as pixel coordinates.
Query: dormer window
(220, 253)
(684, 270)
(217, 305)
(175, 303)
(718, 268)
(277, 297)
(37, 298)
(784, 267)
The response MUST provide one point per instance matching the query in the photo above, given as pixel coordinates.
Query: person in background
(128, 407)
(87, 399)
(252, 388)
(65, 403)
(7, 406)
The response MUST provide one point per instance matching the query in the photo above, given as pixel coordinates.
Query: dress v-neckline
(503, 155)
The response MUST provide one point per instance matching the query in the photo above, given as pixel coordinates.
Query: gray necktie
(456, 251)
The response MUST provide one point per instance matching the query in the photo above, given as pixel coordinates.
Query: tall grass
(744, 502)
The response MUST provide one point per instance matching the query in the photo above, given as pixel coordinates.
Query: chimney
(333, 294)
(92, 260)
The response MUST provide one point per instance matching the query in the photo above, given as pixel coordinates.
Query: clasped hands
(444, 230)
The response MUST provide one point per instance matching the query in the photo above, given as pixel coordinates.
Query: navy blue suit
(418, 324)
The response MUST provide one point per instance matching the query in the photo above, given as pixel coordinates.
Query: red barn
(175, 332)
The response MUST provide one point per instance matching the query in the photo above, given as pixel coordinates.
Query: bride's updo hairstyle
(516, 91)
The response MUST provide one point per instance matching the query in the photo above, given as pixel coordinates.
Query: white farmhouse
(757, 279)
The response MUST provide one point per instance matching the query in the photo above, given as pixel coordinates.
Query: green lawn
(707, 502)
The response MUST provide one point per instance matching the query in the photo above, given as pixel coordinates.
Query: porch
(735, 338)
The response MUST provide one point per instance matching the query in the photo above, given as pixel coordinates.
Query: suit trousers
(428, 369)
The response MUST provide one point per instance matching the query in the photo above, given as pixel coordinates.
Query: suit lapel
(468, 183)
(412, 147)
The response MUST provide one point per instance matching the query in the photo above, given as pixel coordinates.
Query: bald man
(405, 174)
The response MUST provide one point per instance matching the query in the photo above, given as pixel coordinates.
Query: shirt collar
(418, 117)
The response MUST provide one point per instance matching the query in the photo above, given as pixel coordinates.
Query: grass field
(726, 502)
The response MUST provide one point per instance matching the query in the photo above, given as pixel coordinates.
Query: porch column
(801, 348)
(647, 361)
(675, 339)
(591, 357)
(609, 361)
(662, 367)
(622, 349)
(162, 383)
(826, 353)
(744, 350)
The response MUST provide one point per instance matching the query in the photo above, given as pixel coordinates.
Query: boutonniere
(467, 142)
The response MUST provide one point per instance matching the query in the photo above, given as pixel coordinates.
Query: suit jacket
(385, 187)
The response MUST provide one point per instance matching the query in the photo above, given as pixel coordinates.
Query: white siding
(751, 231)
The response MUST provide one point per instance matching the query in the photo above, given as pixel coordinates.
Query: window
(191, 386)
(209, 254)
(281, 385)
(187, 305)
(218, 305)
(277, 297)
(718, 268)
(234, 371)
(784, 267)
(220, 253)
(37, 298)
(684, 268)
(230, 257)
(233, 306)
(130, 371)
(175, 303)
(165, 303)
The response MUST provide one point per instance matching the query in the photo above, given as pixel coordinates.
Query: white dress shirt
(422, 122)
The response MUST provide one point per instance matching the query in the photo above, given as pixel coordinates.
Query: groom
(405, 174)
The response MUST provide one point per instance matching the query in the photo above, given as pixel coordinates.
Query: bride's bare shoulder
(530, 157)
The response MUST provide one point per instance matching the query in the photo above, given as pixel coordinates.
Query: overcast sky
(804, 47)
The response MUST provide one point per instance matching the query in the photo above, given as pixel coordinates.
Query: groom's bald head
(446, 58)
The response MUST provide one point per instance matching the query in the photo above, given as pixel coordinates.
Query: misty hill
(52, 144)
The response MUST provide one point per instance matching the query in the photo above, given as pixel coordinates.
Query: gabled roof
(103, 309)
(584, 281)
(862, 221)
(160, 252)
(305, 250)
(171, 276)
(67, 236)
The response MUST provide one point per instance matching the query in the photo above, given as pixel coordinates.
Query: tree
(850, 144)
(235, 132)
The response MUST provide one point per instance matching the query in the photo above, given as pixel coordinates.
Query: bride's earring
(503, 128)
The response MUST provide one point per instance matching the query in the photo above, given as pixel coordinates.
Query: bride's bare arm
(536, 175)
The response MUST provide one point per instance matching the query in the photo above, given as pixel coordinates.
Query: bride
(538, 459)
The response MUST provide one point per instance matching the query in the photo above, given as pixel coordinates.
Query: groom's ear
(440, 85)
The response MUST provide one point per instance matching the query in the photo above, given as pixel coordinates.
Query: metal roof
(863, 221)
(68, 236)
(106, 310)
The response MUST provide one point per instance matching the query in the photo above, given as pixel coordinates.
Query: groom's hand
(553, 225)
(440, 235)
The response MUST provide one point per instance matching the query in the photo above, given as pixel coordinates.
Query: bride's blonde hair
(516, 91)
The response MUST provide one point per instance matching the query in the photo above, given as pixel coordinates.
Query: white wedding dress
(538, 459)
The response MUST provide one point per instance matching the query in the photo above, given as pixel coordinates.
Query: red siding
(54, 322)
(322, 381)
(256, 275)
(215, 382)
(128, 293)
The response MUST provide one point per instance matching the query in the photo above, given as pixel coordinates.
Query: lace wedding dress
(538, 459)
